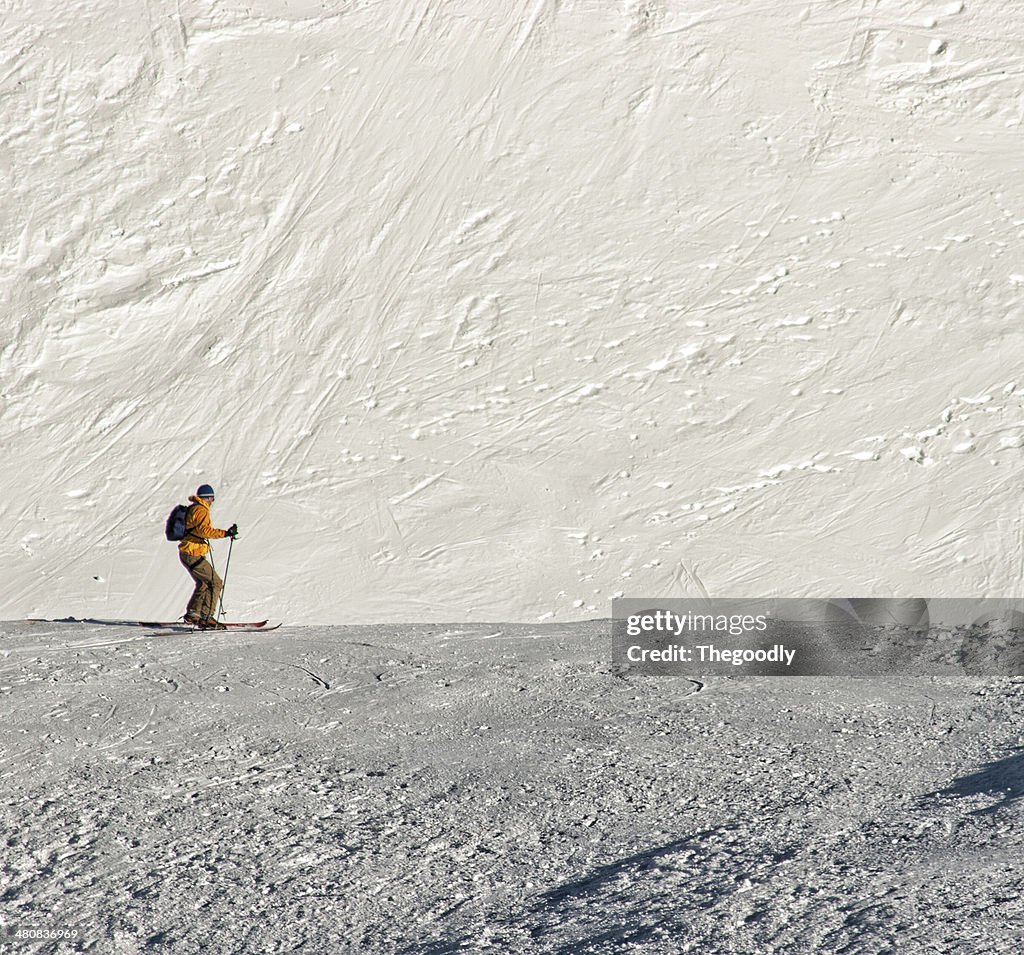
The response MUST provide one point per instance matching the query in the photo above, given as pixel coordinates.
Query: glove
(232, 531)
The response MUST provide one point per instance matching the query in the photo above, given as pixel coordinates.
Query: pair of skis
(255, 626)
(181, 626)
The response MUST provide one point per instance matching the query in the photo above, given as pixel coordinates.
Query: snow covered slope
(480, 311)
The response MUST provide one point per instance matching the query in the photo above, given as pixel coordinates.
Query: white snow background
(486, 312)
(492, 311)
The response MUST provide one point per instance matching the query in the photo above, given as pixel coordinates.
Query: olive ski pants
(206, 596)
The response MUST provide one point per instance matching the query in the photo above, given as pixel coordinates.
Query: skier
(192, 553)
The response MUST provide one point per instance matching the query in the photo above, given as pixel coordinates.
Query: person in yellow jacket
(192, 553)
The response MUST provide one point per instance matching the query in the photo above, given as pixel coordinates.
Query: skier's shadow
(93, 621)
(1002, 779)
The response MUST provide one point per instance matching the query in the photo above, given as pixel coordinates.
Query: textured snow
(478, 312)
(469, 311)
(486, 787)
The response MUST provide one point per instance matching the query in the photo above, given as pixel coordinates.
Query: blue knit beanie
(205, 491)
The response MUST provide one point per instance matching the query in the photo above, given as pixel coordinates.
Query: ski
(242, 628)
(178, 626)
(181, 625)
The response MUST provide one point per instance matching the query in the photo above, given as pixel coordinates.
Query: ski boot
(210, 623)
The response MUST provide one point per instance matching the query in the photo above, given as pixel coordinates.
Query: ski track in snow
(603, 300)
(453, 791)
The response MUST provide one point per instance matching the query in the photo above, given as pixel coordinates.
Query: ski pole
(227, 567)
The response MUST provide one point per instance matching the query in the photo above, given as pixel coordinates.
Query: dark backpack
(175, 529)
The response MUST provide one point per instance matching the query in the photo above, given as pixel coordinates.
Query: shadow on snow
(1001, 780)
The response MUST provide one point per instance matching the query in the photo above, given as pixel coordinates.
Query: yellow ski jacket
(198, 529)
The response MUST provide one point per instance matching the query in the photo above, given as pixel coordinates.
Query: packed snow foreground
(437, 789)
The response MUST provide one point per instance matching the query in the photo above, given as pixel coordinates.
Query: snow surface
(492, 311)
(493, 788)
(483, 311)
